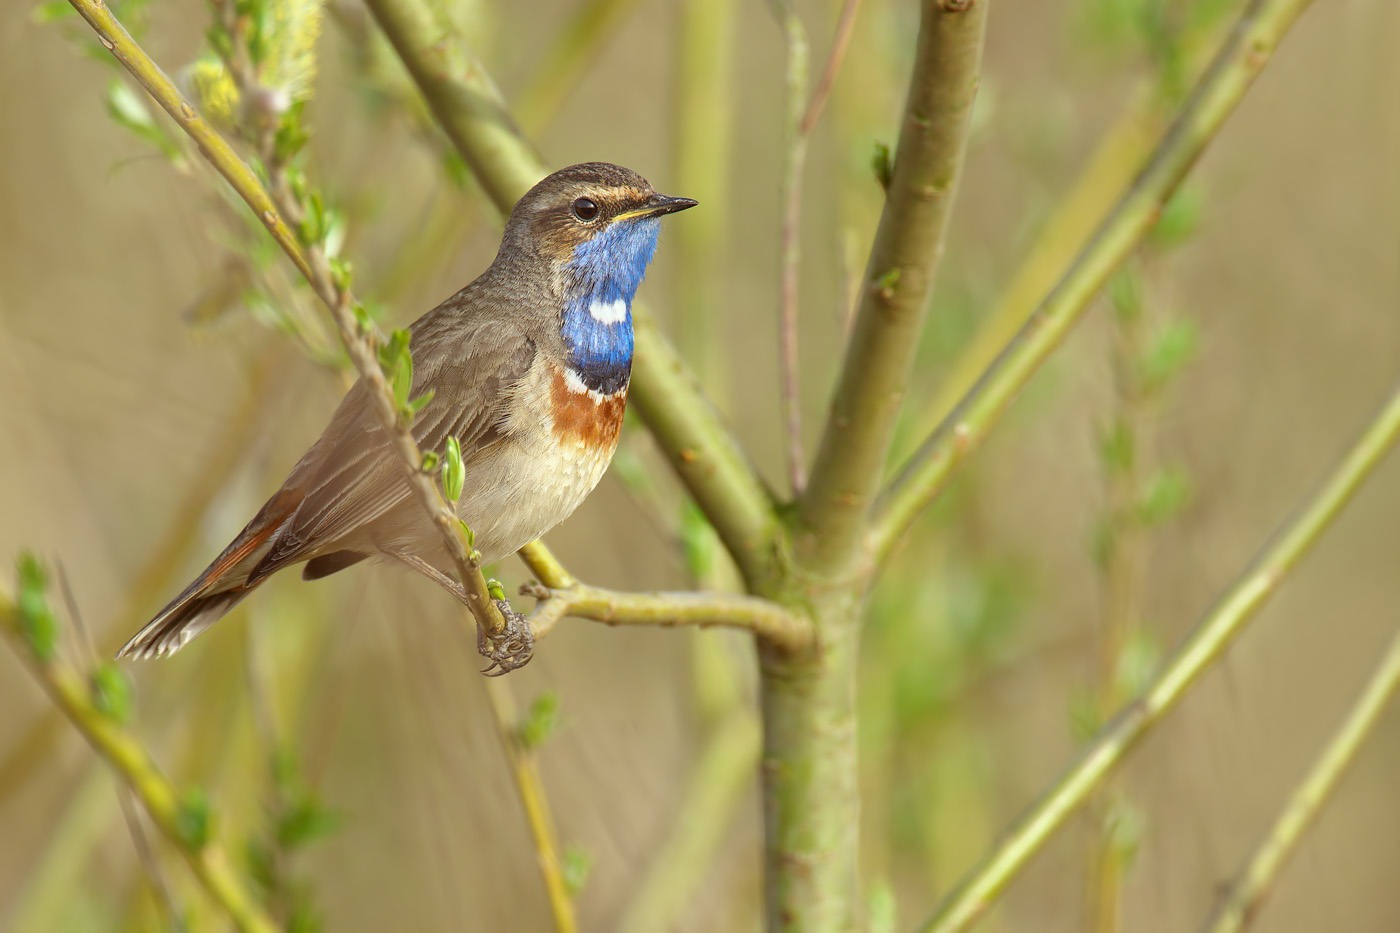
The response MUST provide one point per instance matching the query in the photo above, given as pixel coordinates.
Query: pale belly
(527, 489)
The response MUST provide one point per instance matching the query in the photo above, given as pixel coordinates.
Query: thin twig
(840, 42)
(313, 265)
(1241, 58)
(1241, 904)
(525, 774)
(790, 247)
(126, 797)
(800, 121)
(1205, 646)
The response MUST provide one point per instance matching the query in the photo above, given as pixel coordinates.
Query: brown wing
(351, 476)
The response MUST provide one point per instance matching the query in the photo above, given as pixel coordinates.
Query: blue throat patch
(606, 272)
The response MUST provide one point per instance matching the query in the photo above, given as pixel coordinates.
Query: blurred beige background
(112, 405)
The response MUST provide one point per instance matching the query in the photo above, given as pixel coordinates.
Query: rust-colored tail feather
(221, 586)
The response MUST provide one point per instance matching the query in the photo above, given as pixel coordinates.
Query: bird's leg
(508, 650)
(512, 648)
(447, 582)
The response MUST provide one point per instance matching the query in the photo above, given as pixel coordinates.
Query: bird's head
(587, 233)
(595, 225)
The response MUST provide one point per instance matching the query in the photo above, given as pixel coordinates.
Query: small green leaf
(880, 912)
(38, 624)
(392, 350)
(471, 535)
(541, 721)
(304, 821)
(887, 280)
(883, 165)
(333, 237)
(111, 692)
(1125, 291)
(1170, 350)
(454, 475)
(192, 819)
(415, 405)
(1180, 218)
(291, 136)
(1167, 493)
(1084, 714)
(1123, 827)
(127, 106)
(1118, 447)
(51, 11)
(493, 586)
(578, 865)
(430, 462)
(1136, 664)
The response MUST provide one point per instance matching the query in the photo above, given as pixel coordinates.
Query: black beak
(659, 204)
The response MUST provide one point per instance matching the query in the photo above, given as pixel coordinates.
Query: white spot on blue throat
(597, 318)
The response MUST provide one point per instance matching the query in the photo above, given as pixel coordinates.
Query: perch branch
(768, 620)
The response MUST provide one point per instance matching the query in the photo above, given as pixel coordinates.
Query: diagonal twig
(129, 759)
(314, 266)
(1206, 645)
(1241, 903)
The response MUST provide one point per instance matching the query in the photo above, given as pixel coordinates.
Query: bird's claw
(512, 648)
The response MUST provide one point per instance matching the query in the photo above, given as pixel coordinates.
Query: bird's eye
(585, 209)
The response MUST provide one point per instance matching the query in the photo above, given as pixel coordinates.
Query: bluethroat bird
(528, 367)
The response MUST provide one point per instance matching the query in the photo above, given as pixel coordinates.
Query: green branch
(785, 631)
(1244, 54)
(314, 266)
(1241, 904)
(898, 280)
(76, 697)
(1206, 645)
(689, 431)
(529, 787)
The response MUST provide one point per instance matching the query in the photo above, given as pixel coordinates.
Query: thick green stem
(897, 284)
(690, 432)
(1244, 54)
(809, 766)
(1206, 645)
(810, 793)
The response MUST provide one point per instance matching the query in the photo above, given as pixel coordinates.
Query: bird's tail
(192, 612)
(221, 586)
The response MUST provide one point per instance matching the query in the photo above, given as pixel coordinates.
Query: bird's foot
(512, 648)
